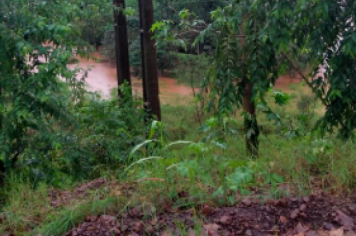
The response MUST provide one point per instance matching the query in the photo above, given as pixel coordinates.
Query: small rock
(306, 199)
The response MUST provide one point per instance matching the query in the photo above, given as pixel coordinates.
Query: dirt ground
(309, 216)
(313, 215)
(316, 214)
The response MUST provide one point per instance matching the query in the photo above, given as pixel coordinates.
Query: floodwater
(101, 78)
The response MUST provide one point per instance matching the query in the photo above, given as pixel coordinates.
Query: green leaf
(141, 161)
(158, 25)
(178, 142)
(138, 146)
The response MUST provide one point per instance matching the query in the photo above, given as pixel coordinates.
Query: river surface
(102, 79)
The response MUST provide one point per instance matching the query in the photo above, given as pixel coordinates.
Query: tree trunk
(150, 72)
(143, 68)
(121, 46)
(2, 173)
(250, 121)
(2, 164)
(251, 126)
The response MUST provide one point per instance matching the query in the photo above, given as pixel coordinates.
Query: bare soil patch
(316, 214)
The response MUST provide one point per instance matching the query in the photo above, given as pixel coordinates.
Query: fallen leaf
(311, 233)
(337, 232)
(294, 214)
(344, 220)
(165, 233)
(283, 219)
(350, 233)
(192, 232)
(328, 226)
(207, 210)
(107, 217)
(282, 202)
(138, 226)
(246, 202)
(225, 220)
(303, 207)
(211, 227)
(115, 231)
(7, 234)
(301, 229)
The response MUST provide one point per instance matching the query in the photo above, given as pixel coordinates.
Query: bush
(100, 138)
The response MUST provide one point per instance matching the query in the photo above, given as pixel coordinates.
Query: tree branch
(310, 85)
(304, 77)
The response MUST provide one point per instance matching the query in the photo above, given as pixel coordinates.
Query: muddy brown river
(102, 79)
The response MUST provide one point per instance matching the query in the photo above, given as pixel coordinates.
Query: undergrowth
(182, 163)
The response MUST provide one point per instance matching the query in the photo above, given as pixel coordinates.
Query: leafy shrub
(100, 137)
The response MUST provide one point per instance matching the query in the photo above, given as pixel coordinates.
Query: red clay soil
(316, 214)
(309, 216)
(284, 81)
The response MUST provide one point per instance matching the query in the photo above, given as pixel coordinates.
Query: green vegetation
(294, 161)
(56, 136)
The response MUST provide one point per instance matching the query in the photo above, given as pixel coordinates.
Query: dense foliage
(54, 133)
(48, 123)
(257, 40)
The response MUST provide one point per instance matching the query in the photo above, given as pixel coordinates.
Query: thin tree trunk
(2, 173)
(2, 164)
(250, 121)
(251, 126)
(121, 46)
(143, 68)
(150, 60)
